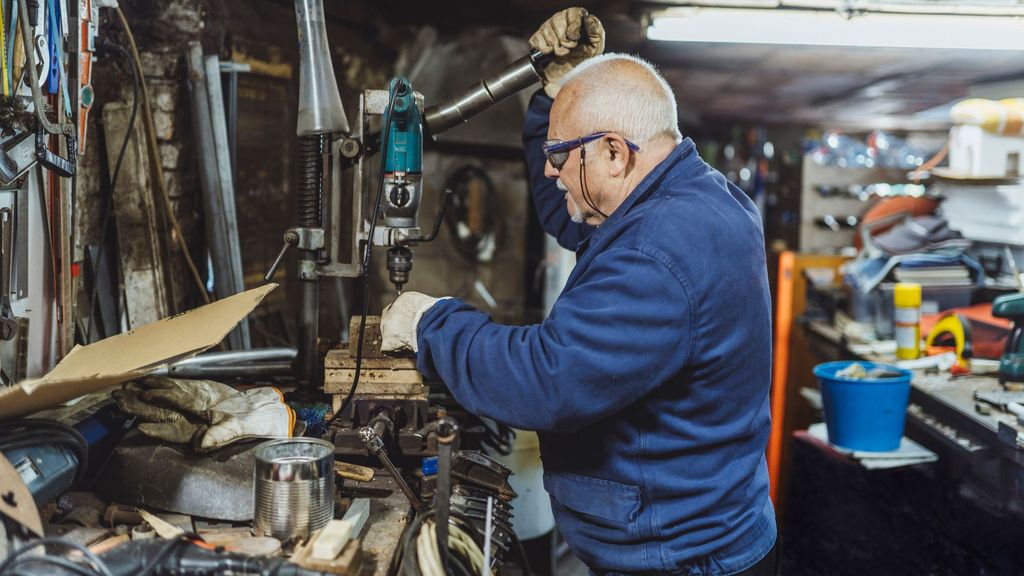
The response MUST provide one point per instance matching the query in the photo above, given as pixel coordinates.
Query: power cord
(15, 563)
(108, 209)
(367, 259)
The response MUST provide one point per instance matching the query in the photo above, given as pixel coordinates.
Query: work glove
(573, 36)
(165, 399)
(399, 320)
(208, 415)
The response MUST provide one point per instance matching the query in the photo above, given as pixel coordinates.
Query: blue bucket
(865, 413)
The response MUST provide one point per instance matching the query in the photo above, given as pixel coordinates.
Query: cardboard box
(976, 153)
(123, 357)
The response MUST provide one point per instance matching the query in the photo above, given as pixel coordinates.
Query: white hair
(607, 100)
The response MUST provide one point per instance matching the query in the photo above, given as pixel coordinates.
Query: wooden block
(349, 561)
(332, 539)
(353, 472)
(109, 544)
(371, 337)
(343, 358)
(225, 536)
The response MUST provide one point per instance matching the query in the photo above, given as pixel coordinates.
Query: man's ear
(617, 153)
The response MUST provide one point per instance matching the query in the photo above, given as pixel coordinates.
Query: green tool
(1011, 365)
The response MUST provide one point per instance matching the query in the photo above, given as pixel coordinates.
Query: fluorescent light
(827, 28)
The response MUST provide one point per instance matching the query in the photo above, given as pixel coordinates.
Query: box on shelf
(975, 152)
(877, 308)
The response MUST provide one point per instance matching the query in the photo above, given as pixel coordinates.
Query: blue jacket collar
(685, 154)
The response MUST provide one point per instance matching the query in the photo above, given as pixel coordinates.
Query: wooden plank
(410, 385)
(336, 399)
(338, 358)
(139, 225)
(344, 376)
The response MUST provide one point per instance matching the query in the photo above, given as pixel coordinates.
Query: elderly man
(648, 382)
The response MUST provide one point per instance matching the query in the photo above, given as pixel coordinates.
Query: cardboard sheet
(125, 356)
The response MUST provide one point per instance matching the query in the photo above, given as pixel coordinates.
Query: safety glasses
(557, 151)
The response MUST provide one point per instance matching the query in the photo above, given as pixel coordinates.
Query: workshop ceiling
(817, 86)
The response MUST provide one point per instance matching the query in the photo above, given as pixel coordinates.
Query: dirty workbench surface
(388, 517)
(958, 395)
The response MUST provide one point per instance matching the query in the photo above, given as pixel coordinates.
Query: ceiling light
(829, 28)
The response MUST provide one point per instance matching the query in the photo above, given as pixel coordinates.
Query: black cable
(54, 561)
(456, 565)
(405, 565)
(113, 183)
(160, 556)
(583, 182)
(29, 433)
(98, 565)
(367, 259)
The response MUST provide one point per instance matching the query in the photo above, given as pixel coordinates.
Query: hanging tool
(1011, 365)
(89, 17)
(63, 167)
(40, 44)
(958, 328)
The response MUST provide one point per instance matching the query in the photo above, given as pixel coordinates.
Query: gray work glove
(208, 415)
(561, 34)
(399, 320)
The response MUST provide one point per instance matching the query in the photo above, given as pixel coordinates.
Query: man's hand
(573, 36)
(399, 320)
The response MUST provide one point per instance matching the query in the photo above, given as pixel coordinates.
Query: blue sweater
(648, 383)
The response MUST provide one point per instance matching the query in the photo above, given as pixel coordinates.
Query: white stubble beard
(577, 214)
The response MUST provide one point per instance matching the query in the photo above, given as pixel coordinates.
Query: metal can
(294, 487)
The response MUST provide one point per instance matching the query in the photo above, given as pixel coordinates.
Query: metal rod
(230, 267)
(446, 434)
(308, 368)
(238, 357)
(375, 446)
(251, 370)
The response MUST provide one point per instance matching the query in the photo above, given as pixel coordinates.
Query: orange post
(780, 366)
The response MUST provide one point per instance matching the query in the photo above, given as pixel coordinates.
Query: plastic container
(864, 413)
(907, 320)
(933, 299)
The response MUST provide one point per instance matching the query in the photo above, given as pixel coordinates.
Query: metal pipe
(308, 368)
(269, 369)
(446, 435)
(485, 93)
(238, 357)
(860, 7)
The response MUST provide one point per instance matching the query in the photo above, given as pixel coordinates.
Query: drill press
(340, 220)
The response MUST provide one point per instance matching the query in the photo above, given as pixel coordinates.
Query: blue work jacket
(648, 383)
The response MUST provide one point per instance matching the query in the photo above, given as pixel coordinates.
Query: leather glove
(561, 34)
(165, 399)
(206, 414)
(256, 413)
(399, 320)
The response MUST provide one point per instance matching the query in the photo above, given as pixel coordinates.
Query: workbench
(985, 451)
(963, 514)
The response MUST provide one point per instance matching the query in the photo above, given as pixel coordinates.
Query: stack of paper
(908, 454)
